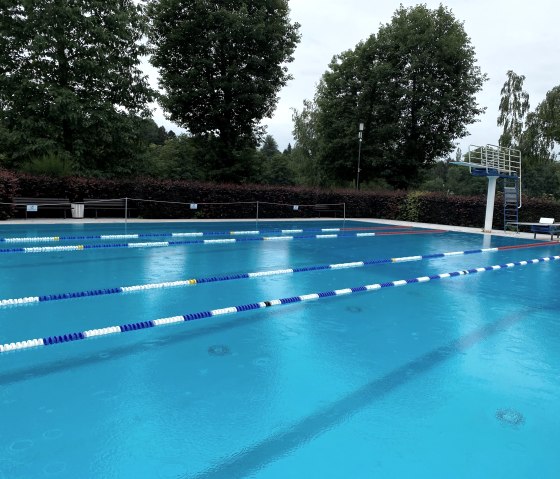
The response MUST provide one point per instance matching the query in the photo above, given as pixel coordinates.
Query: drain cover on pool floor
(218, 350)
(510, 416)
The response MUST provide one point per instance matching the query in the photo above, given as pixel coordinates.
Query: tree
(452, 179)
(275, 167)
(175, 158)
(547, 118)
(541, 178)
(536, 134)
(540, 140)
(305, 155)
(413, 85)
(514, 105)
(69, 72)
(151, 133)
(222, 64)
(269, 147)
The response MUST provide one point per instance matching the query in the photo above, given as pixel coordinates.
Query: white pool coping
(461, 229)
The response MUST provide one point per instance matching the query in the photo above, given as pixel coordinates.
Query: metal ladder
(511, 204)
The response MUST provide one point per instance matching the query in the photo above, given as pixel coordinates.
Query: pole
(125, 210)
(360, 130)
(490, 204)
(257, 211)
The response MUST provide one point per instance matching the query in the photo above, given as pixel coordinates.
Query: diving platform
(491, 160)
(478, 170)
(496, 162)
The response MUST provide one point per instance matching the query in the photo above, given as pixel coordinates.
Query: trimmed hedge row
(422, 207)
(8, 189)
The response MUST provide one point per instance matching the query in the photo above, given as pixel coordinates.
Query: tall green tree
(539, 146)
(175, 158)
(269, 147)
(222, 64)
(305, 155)
(514, 106)
(275, 166)
(70, 81)
(547, 117)
(413, 85)
(540, 140)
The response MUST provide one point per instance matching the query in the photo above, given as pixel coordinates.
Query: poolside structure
(497, 162)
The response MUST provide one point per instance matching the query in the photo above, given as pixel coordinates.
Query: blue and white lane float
(256, 274)
(219, 278)
(46, 239)
(124, 328)
(159, 244)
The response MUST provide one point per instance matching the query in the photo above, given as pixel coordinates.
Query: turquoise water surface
(457, 377)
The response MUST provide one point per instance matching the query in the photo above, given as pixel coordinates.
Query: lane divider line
(38, 239)
(229, 277)
(152, 244)
(124, 328)
(257, 274)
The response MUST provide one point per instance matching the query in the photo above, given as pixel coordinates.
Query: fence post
(257, 211)
(125, 210)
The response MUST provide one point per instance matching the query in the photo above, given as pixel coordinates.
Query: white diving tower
(497, 162)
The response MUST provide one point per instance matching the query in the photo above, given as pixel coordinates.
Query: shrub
(8, 189)
(275, 201)
(50, 164)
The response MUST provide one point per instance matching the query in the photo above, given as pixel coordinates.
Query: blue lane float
(92, 333)
(45, 239)
(230, 277)
(159, 244)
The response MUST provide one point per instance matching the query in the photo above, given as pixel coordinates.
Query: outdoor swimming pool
(457, 377)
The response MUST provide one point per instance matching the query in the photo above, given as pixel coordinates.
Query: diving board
(496, 162)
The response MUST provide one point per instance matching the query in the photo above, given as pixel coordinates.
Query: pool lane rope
(256, 274)
(124, 328)
(159, 244)
(38, 239)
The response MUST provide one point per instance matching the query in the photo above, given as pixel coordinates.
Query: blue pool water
(457, 378)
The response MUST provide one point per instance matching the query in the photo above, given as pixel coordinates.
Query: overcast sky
(523, 36)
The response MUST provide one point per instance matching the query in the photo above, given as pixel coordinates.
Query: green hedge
(437, 208)
(8, 189)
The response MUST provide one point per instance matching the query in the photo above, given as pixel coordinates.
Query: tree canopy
(413, 85)
(70, 81)
(222, 64)
(514, 106)
(541, 137)
(536, 133)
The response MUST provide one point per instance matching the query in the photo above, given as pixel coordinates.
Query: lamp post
(360, 132)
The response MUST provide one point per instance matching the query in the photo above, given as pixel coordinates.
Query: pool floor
(457, 377)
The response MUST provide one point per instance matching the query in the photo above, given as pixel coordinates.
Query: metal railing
(125, 204)
(495, 158)
(506, 162)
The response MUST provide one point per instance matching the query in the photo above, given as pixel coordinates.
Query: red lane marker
(369, 228)
(530, 245)
(387, 233)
